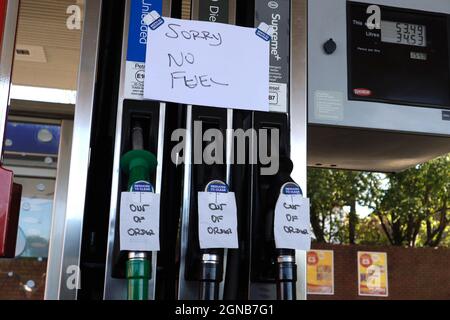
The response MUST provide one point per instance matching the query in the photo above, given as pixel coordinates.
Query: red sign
(10, 194)
(366, 260)
(362, 92)
(2, 19)
(312, 258)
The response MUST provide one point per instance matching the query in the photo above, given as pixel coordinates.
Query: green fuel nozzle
(138, 165)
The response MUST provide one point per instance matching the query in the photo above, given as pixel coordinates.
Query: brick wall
(16, 273)
(413, 273)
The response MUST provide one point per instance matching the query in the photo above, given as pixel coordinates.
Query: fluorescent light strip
(43, 94)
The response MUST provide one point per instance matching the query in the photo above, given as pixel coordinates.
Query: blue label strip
(137, 35)
(142, 186)
(263, 35)
(218, 188)
(292, 189)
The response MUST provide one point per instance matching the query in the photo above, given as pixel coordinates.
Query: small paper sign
(139, 221)
(217, 220)
(204, 63)
(292, 223)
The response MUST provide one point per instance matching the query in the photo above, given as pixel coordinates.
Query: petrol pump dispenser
(257, 267)
(202, 271)
(378, 83)
(142, 134)
(191, 263)
(203, 268)
(273, 270)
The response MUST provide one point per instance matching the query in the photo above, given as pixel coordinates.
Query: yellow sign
(320, 271)
(372, 274)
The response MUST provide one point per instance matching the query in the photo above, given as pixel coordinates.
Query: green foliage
(331, 193)
(370, 232)
(411, 208)
(415, 210)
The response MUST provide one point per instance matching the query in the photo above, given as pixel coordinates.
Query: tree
(334, 197)
(411, 208)
(415, 208)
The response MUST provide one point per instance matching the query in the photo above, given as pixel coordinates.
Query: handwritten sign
(292, 223)
(139, 221)
(208, 64)
(217, 220)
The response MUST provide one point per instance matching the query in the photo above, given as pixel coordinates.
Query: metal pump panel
(379, 95)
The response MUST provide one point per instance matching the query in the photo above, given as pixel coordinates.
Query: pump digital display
(404, 33)
(404, 61)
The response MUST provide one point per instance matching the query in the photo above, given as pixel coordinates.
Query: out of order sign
(217, 220)
(139, 221)
(207, 64)
(292, 223)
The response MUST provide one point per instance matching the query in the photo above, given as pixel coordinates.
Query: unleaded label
(137, 47)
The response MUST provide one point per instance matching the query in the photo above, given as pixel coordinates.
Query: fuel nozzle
(138, 165)
(286, 268)
(286, 276)
(211, 275)
(211, 264)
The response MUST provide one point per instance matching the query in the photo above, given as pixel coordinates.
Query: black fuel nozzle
(284, 259)
(211, 275)
(211, 263)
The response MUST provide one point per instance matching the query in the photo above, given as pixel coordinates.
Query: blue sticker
(142, 186)
(137, 35)
(158, 23)
(217, 187)
(291, 188)
(263, 35)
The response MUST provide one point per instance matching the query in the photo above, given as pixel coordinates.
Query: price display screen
(406, 61)
(404, 33)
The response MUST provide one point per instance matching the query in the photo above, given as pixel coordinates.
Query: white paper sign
(139, 221)
(292, 223)
(208, 64)
(217, 220)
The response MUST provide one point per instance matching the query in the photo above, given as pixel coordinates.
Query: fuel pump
(143, 154)
(385, 67)
(285, 266)
(202, 272)
(186, 267)
(274, 271)
(271, 264)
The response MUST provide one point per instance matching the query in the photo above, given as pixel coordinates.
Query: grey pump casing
(364, 135)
